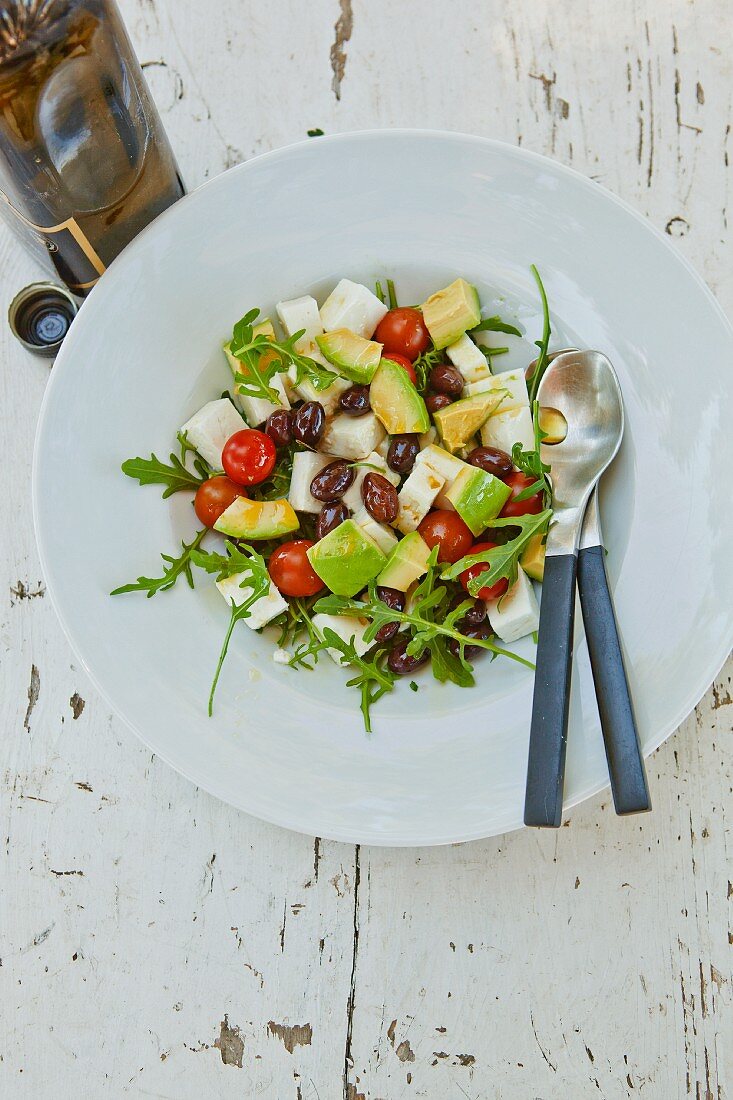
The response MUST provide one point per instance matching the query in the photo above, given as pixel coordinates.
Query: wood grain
(157, 943)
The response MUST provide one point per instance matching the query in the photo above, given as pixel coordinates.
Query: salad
(370, 489)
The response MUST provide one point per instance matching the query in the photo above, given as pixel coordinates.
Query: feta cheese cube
(428, 438)
(416, 496)
(351, 628)
(329, 397)
(469, 359)
(301, 313)
(517, 612)
(352, 496)
(445, 464)
(384, 536)
(510, 385)
(504, 429)
(352, 437)
(282, 656)
(256, 409)
(353, 306)
(306, 464)
(236, 589)
(383, 447)
(210, 428)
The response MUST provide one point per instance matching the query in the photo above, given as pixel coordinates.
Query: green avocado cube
(396, 402)
(478, 497)
(451, 311)
(346, 559)
(355, 357)
(407, 562)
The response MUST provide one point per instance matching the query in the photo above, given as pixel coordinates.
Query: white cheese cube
(306, 464)
(350, 628)
(210, 428)
(236, 589)
(517, 612)
(352, 496)
(428, 438)
(301, 313)
(329, 397)
(256, 409)
(504, 429)
(416, 496)
(352, 437)
(383, 447)
(384, 536)
(469, 359)
(510, 386)
(282, 656)
(353, 306)
(445, 464)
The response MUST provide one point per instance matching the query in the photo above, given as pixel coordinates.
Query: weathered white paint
(591, 962)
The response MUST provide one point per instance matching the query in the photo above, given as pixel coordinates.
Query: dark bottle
(84, 161)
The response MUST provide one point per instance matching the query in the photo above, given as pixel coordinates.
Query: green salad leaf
(544, 342)
(423, 366)
(504, 559)
(255, 379)
(174, 475)
(495, 324)
(530, 462)
(175, 568)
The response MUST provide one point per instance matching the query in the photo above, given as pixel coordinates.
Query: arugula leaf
(295, 620)
(542, 344)
(392, 295)
(530, 462)
(315, 132)
(259, 368)
(379, 292)
(176, 477)
(495, 324)
(175, 567)
(373, 678)
(278, 483)
(256, 580)
(504, 559)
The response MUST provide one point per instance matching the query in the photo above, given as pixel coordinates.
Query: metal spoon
(623, 752)
(583, 387)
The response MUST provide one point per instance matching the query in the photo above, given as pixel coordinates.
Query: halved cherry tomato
(291, 571)
(448, 531)
(214, 497)
(404, 332)
(518, 482)
(248, 457)
(403, 363)
(489, 591)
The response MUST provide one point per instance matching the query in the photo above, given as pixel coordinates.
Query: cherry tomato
(248, 457)
(291, 571)
(489, 591)
(403, 331)
(518, 482)
(448, 531)
(214, 497)
(403, 363)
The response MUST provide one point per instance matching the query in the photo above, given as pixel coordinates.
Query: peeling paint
(34, 690)
(77, 705)
(404, 1051)
(230, 1044)
(343, 29)
(291, 1035)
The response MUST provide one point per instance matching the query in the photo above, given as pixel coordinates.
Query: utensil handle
(549, 729)
(625, 761)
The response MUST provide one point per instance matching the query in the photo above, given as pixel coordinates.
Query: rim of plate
(694, 695)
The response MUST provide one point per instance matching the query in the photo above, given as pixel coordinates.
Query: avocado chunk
(354, 356)
(532, 559)
(461, 420)
(407, 562)
(346, 559)
(257, 519)
(451, 312)
(478, 497)
(264, 328)
(395, 400)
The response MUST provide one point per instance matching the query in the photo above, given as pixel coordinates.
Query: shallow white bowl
(444, 764)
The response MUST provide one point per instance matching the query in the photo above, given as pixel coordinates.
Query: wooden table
(155, 942)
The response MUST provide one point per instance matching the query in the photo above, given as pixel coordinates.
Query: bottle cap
(40, 315)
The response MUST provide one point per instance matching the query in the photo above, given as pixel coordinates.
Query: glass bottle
(84, 161)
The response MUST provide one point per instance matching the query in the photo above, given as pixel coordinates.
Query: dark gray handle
(548, 733)
(625, 762)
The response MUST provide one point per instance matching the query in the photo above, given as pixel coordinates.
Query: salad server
(583, 387)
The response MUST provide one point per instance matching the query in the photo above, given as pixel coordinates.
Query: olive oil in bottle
(84, 161)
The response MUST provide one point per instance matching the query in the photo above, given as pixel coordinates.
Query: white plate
(444, 764)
